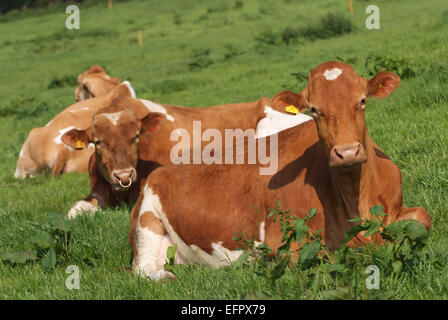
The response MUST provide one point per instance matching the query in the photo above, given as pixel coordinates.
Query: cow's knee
(81, 207)
(26, 167)
(416, 213)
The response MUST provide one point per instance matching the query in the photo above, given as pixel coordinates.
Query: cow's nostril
(124, 178)
(339, 155)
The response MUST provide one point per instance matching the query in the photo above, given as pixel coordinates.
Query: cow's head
(95, 82)
(337, 97)
(115, 131)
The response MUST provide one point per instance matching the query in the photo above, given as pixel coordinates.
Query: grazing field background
(198, 53)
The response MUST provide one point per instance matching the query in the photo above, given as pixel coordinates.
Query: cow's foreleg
(60, 162)
(151, 243)
(88, 205)
(415, 213)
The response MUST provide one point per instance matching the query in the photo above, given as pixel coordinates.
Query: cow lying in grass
(95, 82)
(43, 149)
(330, 164)
(132, 137)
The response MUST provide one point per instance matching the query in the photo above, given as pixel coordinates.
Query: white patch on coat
(112, 117)
(332, 74)
(49, 123)
(58, 139)
(276, 121)
(131, 90)
(77, 110)
(80, 207)
(154, 107)
(262, 232)
(21, 153)
(223, 255)
(150, 246)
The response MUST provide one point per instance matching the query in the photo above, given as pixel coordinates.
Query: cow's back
(43, 149)
(210, 204)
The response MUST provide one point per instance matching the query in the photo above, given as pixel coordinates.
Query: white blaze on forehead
(112, 117)
(332, 74)
(154, 107)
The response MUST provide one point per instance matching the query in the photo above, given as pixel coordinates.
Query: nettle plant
(52, 238)
(403, 249)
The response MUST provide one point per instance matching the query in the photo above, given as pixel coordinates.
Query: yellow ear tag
(292, 109)
(80, 145)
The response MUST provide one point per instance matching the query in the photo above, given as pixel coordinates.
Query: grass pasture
(198, 53)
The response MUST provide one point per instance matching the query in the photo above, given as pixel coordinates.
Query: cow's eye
(136, 137)
(316, 112)
(97, 142)
(362, 104)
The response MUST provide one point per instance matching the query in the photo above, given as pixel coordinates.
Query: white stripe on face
(112, 117)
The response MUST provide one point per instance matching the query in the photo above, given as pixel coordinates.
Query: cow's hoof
(79, 208)
(161, 275)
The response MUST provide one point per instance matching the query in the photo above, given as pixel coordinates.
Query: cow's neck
(351, 188)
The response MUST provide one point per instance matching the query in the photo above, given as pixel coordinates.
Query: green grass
(202, 52)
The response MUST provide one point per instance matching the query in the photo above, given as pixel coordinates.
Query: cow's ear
(95, 69)
(89, 88)
(153, 122)
(116, 79)
(383, 84)
(76, 139)
(284, 99)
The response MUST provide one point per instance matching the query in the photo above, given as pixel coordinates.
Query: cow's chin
(117, 187)
(120, 187)
(347, 168)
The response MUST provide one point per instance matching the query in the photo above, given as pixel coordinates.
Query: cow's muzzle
(124, 178)
(347, 155)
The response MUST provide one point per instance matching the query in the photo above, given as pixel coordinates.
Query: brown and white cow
(133, 137)
(43, 149)
(330, 164)
(95, 82)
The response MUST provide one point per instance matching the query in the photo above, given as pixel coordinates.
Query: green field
(198, 53)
